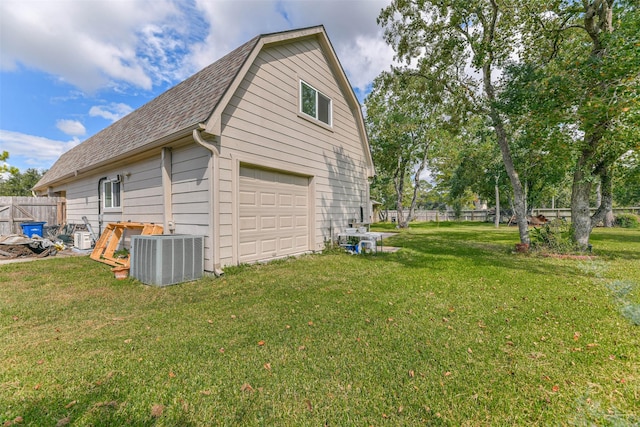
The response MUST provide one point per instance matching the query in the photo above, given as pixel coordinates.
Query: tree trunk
(580, 215)
(598, 19)
(416, 185)
(399, 186)
(497, 220)
(519, 202)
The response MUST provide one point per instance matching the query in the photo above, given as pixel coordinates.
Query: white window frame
(115, 203)
(318, 94)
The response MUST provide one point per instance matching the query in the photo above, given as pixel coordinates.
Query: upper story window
(111, 193)
(314, 103)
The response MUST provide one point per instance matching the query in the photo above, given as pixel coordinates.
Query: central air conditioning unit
(82, 240)
(163, 260)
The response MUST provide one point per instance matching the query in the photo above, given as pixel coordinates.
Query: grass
(454, 329)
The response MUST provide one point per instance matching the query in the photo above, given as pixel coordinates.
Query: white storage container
(82, 240)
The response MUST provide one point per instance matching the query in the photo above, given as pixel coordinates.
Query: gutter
(214, 190)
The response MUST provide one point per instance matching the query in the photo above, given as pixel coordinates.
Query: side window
(314, 103)
(111, 194)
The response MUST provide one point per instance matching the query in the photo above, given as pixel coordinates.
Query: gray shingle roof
(184, 105)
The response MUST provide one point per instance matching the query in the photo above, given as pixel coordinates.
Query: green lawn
(454, 329)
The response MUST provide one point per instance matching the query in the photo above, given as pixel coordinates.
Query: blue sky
(69, 68)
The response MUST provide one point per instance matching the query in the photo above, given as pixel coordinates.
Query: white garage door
(274, 214)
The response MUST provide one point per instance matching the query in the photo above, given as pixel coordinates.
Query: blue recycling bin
(31, 229)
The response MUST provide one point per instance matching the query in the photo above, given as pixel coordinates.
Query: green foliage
(409, 122)
(20, 184)
(553, 237)
(626, 188)
(627, 220)
(4, 168)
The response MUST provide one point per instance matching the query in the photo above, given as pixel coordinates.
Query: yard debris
(20, 246)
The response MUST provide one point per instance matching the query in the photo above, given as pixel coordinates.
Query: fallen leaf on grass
(412, 374)
(157, 410)
(576, 336)
(310, 323)
(111, 404)
(555, 388)
(63, 422)
(210, 321)
(469, 350)
(171, 374)
(128, 340)
(261, 343)
(267, 366)
(40, 362)
(70, 404)
(592, 345)
(221, 350)
(247, 388)
(309, 406)
(15, 318)
(206, 392)
(302, 348)
(37, 386)
(447, 374)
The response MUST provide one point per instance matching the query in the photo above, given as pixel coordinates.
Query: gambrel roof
(192, 104)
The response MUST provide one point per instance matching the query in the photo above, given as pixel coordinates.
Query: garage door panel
(248, 249)
(302, 241)
(267, 199)
(286, 222)
(249, 223)
(247, 198)
(274, 217)
(269, 246)
(268, 223)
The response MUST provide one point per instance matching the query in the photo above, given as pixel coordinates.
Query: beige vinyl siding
(262, 121)
(82, 200)
(141, 192)
(190, 193)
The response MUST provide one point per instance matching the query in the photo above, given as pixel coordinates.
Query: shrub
(627, 220)
(554, 236)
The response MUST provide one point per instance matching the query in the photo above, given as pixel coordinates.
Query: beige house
(263, 152)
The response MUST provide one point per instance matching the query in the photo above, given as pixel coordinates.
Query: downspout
(100, 205)
(214, 188)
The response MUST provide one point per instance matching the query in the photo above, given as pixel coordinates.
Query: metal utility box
(163, 260)
(82, 240)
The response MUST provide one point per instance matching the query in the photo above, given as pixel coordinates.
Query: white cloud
(364, 59)
(85, 43)
(113, 111)
(24, 145)
(142, 43)
(71, 127)
(351, 26)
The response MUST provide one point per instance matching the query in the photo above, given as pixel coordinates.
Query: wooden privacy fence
(488, 215)
(16, 210)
